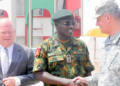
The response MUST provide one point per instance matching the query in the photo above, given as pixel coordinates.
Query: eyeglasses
(5, 33)
(68, 23)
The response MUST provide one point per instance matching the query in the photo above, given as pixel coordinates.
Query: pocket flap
(55, 58)
(54, 53)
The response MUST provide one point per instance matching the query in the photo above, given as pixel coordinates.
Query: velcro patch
(37, 52)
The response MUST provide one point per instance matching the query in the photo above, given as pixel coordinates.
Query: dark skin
(64, 33)
(50, 79)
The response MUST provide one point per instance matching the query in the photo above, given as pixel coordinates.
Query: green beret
(62, 14)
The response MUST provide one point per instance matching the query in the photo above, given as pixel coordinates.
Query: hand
(79, 83)
(82, 81)
(10, 81)
(75, 83)
(80, 78)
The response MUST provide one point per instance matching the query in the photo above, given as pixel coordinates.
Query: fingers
(6, 83)
(80, 78)
(10, 81)
(82, 84)
(5, 79)
(76, 78)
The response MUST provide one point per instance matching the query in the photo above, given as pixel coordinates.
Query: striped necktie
(6, 62)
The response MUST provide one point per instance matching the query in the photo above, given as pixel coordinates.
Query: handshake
(78, 81)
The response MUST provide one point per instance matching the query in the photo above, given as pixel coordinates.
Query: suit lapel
(15, 58)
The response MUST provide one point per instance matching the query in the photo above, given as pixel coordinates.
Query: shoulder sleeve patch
(37, 52)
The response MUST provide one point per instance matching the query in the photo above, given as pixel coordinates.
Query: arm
(88, 65)
(92, 80)
(25, 76)
(29, 77)
(50, 79)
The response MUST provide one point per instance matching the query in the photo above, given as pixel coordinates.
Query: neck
(114, 28)
(114, 31)
(63, 38)
(64, 41)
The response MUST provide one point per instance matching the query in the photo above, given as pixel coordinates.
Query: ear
(108, 18)
(55, 23)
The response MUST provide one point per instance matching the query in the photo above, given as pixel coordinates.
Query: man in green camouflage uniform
(108, 18)
(62, 57)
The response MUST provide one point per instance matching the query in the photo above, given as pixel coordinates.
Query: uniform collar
(114, 40)
(56, 42)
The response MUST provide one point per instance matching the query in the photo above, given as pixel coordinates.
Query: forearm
(28, 79)
(92, 80)
(50, 79)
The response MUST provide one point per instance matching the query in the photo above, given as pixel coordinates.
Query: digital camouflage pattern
(109, 74)
(52, 58)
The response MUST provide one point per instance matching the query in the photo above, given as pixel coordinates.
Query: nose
(71, 26)
(7, 34)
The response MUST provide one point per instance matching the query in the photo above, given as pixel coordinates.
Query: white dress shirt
(10, 51)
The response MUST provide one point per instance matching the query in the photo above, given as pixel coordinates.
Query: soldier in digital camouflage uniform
(62, 57)
(108, 18)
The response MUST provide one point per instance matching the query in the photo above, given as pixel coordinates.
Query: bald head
(7, 33)
(6, 22)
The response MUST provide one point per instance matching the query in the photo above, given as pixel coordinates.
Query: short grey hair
(110, 7)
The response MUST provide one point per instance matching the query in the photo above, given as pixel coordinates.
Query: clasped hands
(78, 81)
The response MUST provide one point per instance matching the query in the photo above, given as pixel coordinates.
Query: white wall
(20, 27)
(45, 29)
(45, 24)
(88, 13)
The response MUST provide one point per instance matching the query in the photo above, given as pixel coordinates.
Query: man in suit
(18, 71)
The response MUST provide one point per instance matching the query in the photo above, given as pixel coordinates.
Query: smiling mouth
(70, 30)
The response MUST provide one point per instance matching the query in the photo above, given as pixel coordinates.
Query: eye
(3, 32)
(67, 23)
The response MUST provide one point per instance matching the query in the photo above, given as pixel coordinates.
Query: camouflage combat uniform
(52, 58)
(109, 74)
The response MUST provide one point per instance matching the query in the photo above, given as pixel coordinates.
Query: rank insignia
(68, 58)
(37, 52)
(56, 43)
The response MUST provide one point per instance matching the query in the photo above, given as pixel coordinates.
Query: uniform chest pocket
(115, 63)
(55, 56)
(54, 60)
(80, 60)
(79, 55)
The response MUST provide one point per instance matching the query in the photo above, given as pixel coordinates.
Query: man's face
(65, 27)
(102, 22)
(7, 34)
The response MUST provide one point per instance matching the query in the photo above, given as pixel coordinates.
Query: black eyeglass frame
(68, 23)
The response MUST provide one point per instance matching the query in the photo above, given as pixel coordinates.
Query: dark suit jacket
(21, 65)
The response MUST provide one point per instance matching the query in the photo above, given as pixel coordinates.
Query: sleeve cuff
(17, 81)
